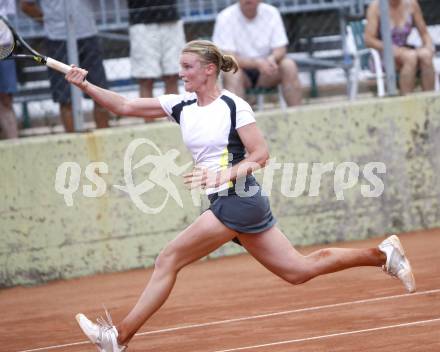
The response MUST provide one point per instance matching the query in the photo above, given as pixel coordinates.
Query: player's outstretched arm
(116, 103)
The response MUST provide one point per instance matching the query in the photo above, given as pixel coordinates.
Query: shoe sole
(408, 276)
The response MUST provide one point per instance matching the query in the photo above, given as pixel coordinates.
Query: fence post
(385, 30)
(347, 60)
(72, 55)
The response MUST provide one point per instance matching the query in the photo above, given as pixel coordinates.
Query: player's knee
(297, 276)
(166, 261)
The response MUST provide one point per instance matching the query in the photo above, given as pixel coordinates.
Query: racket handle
(58, 66)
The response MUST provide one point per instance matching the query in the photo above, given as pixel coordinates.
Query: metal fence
(113, 14)
(316, 31)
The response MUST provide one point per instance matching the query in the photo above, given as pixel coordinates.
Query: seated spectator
(254, 33)
(404, 15)
(8, 85)
(89, 51)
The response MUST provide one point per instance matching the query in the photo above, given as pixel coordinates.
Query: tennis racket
(10, 41)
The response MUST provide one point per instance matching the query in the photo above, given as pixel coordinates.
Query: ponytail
(228, 63)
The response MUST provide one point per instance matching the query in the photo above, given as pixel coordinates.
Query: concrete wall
(44, 239)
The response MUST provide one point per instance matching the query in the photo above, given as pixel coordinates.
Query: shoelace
(107, 324)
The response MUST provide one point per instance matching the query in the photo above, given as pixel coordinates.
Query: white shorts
(155, 49)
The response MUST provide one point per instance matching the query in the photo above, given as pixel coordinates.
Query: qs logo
(68, 177)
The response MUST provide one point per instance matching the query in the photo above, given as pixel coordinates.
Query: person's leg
(145, 56)
(290, 83)
(91, 58)
(59, 87)
(145, 87)
(101, 116)
(146, 91)
(287, 76)
(425, 57)
(273, 250)
(8, 121)
(99, 113)
(66, 114)
(406, 62)
(205, 235)
(173, 42)
(171, 84)
(236, 83)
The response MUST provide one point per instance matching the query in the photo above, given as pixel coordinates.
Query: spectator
(156, 38)
(404, 15)
(89, 51)
(254, 33)
(8, 84)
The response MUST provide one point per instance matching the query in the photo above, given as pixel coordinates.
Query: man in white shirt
(254, 33)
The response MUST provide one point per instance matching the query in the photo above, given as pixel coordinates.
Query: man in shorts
(254, 33)
(89, 51)
(8, 85)
(156, 39)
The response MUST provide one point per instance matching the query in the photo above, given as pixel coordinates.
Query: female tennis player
(216, 123)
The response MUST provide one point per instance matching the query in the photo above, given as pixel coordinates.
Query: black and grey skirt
(246, 211)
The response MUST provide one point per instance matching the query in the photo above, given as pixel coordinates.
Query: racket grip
(58, 66)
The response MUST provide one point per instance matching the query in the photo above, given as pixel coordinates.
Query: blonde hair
(211, 54)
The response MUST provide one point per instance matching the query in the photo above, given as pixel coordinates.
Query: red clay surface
(358, 310)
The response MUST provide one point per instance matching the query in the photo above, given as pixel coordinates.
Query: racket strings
(6, 41)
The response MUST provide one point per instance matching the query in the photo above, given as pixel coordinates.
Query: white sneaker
(397, 264)
(103, 334)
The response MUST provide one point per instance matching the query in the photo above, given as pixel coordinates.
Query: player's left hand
(201, 177)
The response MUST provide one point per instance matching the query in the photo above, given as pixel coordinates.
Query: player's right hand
(77, 76)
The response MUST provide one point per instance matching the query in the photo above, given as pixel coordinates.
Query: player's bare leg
(202, 237)
(274, 251)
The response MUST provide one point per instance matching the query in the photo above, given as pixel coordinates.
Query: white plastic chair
(361, 60)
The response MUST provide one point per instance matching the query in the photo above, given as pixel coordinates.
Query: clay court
(234, 304)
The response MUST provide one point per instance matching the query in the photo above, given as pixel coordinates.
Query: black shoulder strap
(177, 109)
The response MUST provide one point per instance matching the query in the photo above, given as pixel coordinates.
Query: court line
(345, 333)
(260, 316)
(286, 312)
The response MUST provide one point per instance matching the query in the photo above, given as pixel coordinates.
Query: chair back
(356, 30)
